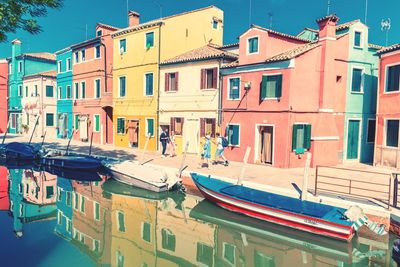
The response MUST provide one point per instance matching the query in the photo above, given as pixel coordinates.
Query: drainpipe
(105, 65)
(158, 89)
(220, 89)
(41, 104)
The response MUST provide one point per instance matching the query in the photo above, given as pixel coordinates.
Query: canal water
(48, 220)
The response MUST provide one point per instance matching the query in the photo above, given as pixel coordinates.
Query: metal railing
(342, 182)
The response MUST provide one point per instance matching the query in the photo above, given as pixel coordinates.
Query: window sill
(357, 93)
(171, 92)
(236, 99)
(234, 145)
(271, 98)
(358, 47)
(391, 92)
(208, 89)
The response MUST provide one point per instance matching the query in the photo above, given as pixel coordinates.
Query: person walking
(172, 145)
(206, 155)
(164, 139)
(219, 153)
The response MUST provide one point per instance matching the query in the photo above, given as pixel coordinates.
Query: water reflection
(114, 225)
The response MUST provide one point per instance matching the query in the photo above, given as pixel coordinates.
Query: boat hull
(277, 216)
(72, 163)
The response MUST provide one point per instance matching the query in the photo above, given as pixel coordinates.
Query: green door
(352, 139)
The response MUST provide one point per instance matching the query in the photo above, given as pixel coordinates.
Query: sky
(68, 25)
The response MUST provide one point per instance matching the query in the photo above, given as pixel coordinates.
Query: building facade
(21, 65)
(92, 87)
(138, 50)
(64, 118)
(190, 95)
(388, 112)
(39, 104)
(3, 95)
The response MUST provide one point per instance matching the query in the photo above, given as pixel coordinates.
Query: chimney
(134, 18)
(327, 26)
(16, 48)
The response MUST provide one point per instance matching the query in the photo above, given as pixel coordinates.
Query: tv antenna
(386, 24)
(270, 16)
(328, 11)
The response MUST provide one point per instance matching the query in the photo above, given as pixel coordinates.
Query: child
(219, 153)
(172, 145)
(206, 152)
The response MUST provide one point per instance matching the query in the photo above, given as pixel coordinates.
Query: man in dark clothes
(164, 139)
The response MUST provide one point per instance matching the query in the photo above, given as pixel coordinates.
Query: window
(96, 211)
(177, 125)
(228, 252)
(19, 90)
(120, 125)
(69, 92)
(68, 198)
(149, 40)
(150, 127)
(97, 88)
(209, 78)
(69, 225)
(96, 245)
(49, 191)
(122, 46)
(59, 94)
(36, 91)
(59, 66)
(122, 86)
(13, 120)
(99, 33)
(10, 68)
(68, 64)
(204, 254)
(301, 138)
(146, 234)
(371, 131)
(357, 39)
(263, 260)
(207, 126)
(97, 52)
(82, 238)
(252, 45)
(120, 259)
(234, 88)
(49, 119)
(19, 66)
(96, 123)
(76, 122)
(49, 91)
(83, 55)
(59, 217)
(83, 90)
(392, 133)
(357, 81)
(83, 207)
(148, 84)
(168, 239)
(121, 221)
(271, 86)
(171, 82)
(215, 24)
(76, 57)
(392, 79)
(76, 201)
(76, 90)
(233, 134)
(26, 91)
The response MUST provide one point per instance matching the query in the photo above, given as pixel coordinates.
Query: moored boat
(82, 163)
(315, 218)
(142, 176)
(76, 175)
(20, 151)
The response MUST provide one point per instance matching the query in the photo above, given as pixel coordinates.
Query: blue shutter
(356, 80)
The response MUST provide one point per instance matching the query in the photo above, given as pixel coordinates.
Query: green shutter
(146, 234)
(278, 93)
(235, 135)
(294, 136)
(264, 87)
(307, 137)
(150, 127)
(97, 122)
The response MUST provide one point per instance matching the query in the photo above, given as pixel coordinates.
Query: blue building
(64, 92)
(64, 208)
(21, 65)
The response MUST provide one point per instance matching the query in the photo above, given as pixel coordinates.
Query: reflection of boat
(13, 164)
(142, 176)
(82, 163)
(273, 233)
(114, 187)
(307, 216)
(20, 151)
(77, 175)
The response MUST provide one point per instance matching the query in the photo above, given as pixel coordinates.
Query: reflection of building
(3, 95)
(39, 187)
(91, 223)
(23, 210)
(64, 208)
(133, 231)
(4, 198)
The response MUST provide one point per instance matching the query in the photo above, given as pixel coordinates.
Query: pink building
(3, 95)
(388, 110)
(286, 96)
(39, 187)
(92, 87)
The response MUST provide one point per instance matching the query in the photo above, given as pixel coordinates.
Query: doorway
(109, 125)
(191, 135)
(133, 133)
(353, 139)
(266, 144)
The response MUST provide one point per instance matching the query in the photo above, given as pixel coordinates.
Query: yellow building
(138, 50)
(190, 95)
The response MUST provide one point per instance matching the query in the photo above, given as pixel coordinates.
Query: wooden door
(266, 136)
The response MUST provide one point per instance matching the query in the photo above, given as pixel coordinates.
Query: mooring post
(243, 168)
(304, 191)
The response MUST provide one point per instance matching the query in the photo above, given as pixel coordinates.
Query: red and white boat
(316, 218)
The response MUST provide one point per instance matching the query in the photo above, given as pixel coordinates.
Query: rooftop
(203, 53)
(42, 55)
(106, 26)
(279, 33)
(388, 49)
(51, 73)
